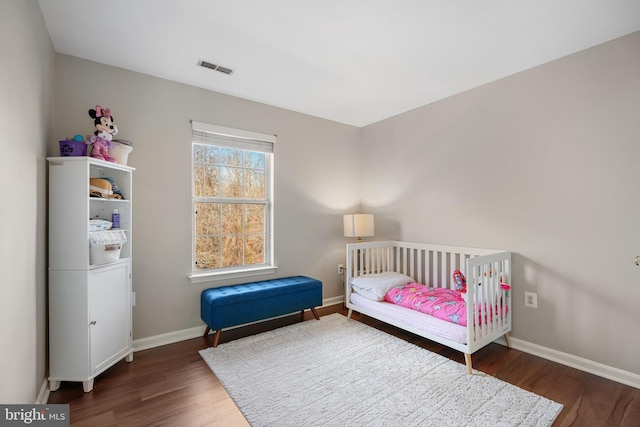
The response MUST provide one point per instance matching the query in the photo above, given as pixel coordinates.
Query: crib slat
(484, 301)
(405, 260)
(458, 263)
(412, 254)
(375, 261)
(429, 268)
(419, 277)
(372, 260)
(409, 254)
(436, 270)
(444, 282)
(386, 259)
(495, 295)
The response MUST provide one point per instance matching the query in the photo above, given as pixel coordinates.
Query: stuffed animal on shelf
(105, 131)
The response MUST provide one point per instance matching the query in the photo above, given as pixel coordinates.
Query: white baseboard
(168, 338)
(599, 369)
(187, 334)
(43, 396)
(333, 301)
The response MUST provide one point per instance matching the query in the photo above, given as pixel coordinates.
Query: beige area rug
(339, 372)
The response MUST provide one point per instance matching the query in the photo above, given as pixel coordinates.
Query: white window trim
(270, 266)
(232, 274)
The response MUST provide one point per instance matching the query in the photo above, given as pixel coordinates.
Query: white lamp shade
(358, 225)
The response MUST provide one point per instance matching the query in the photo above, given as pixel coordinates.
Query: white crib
(488, 274)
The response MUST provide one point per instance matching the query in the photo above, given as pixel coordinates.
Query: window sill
(231, 274)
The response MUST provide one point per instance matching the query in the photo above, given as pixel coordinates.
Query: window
(231, 201)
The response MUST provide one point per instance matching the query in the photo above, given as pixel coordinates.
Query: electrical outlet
(340, 268)
(531, 299)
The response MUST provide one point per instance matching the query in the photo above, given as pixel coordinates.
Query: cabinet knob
(93, 322)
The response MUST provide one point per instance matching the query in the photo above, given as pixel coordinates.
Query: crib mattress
(421, 321)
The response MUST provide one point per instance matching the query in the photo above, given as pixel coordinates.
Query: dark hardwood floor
(173, 386)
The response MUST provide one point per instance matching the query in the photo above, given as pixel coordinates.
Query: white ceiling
(352, 61)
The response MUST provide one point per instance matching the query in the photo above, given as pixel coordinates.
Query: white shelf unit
(89, 305)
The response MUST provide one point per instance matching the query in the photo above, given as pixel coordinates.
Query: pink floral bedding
(445, 304)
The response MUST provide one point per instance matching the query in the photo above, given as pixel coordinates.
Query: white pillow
(375, 286)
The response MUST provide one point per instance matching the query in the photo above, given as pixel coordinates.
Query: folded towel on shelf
(99, 225)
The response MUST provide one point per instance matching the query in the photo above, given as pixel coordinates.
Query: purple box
(72, 148)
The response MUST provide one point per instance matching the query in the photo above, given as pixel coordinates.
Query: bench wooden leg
(206, 332)
(315, 313)
(467, 360)
(216, 337)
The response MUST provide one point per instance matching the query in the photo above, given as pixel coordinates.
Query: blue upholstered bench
(235, 305)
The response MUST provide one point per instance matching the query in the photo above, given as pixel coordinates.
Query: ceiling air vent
(219, 68)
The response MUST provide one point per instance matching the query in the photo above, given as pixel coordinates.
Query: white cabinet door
(109, 314)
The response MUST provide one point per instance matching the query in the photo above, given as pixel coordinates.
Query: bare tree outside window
(231, 207)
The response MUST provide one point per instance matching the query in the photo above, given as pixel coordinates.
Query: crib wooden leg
(349, 314)
(508, 340)
(467, 360)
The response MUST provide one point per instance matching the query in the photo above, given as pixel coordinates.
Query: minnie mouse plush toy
(105, 130)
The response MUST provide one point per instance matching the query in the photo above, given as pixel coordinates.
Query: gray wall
(543, 163)
(314, 178)
(26, 113)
